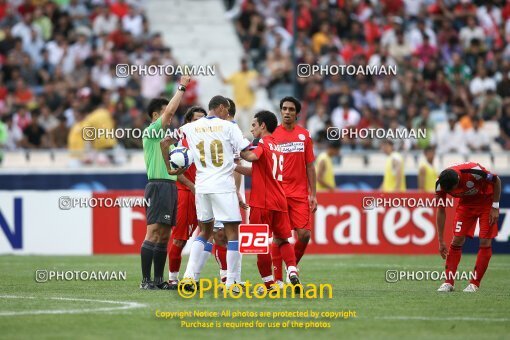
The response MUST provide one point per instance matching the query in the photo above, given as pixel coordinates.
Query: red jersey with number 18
(297, 148)
(267, 175)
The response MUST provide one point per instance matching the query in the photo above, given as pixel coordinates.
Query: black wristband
(181, 88)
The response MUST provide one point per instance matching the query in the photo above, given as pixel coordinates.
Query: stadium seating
(15, 160)
(192, 40)
(352, 161)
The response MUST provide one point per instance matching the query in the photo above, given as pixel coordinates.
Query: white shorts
(218, 225)
(223, 207)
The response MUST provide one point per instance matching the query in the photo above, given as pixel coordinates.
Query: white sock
(197, 247)
(268, 278)
(232, 261)
(223, 275)
(291, 269)
(173, 276)
(203, 259)
(238, 274)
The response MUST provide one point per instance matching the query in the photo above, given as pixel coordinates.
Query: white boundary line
(447, 318)
(395, 266)
(124, 305)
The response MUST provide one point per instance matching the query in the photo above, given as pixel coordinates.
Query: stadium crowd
(453, 61)
(58, 61)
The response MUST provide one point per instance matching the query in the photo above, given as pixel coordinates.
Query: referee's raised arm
(160, 191)
(168, 113)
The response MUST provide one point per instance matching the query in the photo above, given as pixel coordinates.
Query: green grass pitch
(409, 309)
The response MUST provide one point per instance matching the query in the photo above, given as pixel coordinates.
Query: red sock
(220, 253)
(482, 262)
(299, 250)
(174, 258)
(264, 265)
(288, 254)
(277, 262)
(452, 262)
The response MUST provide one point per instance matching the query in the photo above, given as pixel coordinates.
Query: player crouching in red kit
(479, 192)
(267, 199)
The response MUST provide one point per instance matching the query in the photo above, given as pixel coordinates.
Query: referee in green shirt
(161, 191)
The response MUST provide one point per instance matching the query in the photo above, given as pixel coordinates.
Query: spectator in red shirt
(3, 8)
(463, 10)
(426, 52)
(22, 94)
(352, 49)
(392, 7)
(119, 8)
(440, 91)
(26, 7)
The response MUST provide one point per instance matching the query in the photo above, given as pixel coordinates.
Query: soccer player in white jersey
(220, 240)
(212, 141)
(219, 249)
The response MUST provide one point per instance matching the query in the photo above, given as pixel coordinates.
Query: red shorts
(278, 221)
(299, 213)
(186, 216)
(466, 217)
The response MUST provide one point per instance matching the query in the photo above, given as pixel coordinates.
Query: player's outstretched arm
(184, 180)
(172, 106)
(249, 156)
(243, 170)
(321, 173)
(421, 178)
(312, 184)
(397, 165)
(238, 180)
(220, 74)
(237, 175)
(494, 214)
(440, 221)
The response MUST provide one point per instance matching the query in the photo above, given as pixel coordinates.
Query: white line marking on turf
(448, 318)
(400, 266)
(125, 305)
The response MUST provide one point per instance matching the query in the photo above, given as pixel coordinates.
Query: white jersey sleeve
(238, 141)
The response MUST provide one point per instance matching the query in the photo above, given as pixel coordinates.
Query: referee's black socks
(147, 253)
(160, 254)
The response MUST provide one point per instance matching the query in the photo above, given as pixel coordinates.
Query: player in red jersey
(297, 147)
(267, 200)
(479, 192)
(186, 222)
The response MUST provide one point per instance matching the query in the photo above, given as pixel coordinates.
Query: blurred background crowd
(58, 68)
(57, 74)
(453, 61)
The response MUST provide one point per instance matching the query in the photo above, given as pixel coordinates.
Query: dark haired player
(212, 141)
(219, 249)
(186, 211)
(220, 240)
(299, 178)
(479, 192)
(267, 200)
(161, 191)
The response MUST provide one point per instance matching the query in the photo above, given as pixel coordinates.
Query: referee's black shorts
(161, 195)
